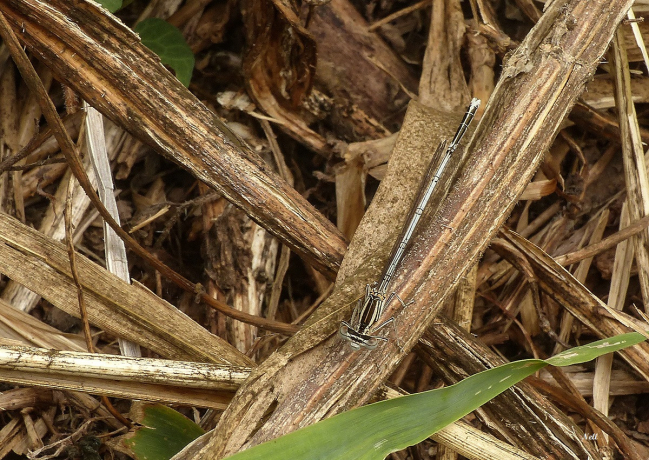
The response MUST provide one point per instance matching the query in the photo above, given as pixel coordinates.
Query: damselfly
(370, 308)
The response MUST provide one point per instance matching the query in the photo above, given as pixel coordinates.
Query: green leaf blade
(374, 431)
(164, 433)
(168, 42)
(593, 350)
(111, 5)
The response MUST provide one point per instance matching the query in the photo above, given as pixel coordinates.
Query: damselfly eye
(345, 329)
(371, 344)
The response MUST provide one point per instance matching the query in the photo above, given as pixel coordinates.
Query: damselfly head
(356, 339)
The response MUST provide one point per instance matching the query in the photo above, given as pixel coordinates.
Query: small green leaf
(593, 350)
(167, 42)
(374, 431)
(164, 433)
(111, 5)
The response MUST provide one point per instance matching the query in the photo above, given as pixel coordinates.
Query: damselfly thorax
(364, 320)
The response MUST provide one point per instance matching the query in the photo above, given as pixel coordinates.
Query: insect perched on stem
(367, 313)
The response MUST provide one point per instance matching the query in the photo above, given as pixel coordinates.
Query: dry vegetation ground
(228, 191)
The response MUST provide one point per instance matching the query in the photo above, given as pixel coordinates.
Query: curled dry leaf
(279, 65)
